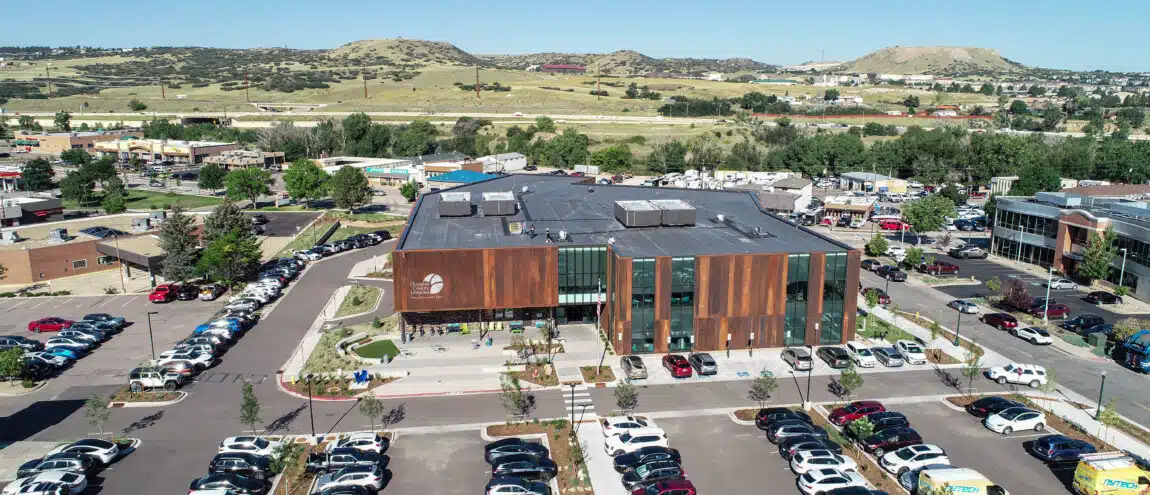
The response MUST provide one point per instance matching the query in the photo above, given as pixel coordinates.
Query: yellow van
(1111, 473)
(958, 480)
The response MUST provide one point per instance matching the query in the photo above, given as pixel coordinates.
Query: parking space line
(46, 301)
(127, 303)
(1024, 436)
(106, 301)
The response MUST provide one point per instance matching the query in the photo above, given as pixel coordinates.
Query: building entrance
(579, 313)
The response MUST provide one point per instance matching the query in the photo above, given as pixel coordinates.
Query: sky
(1050, 33)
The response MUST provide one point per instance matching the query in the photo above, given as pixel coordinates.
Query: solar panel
(100, 232)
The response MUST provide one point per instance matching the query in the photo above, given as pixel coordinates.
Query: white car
(1063, 283)
(861, 355)
(914, 184)
(200, 360)
(1034, 335)
(1026, 374)
(186, 347)
(635, 439)
(67, 341)
(76, 482)
(250, 445)
(367, 476)
(365, 441)
(260, 296)
(913, 457)
(827, 479)
(45, 488)
(911, 352)
(1015, 419)
(964, 306)
(308, 255)
(897, 253)
(102, 450)
(245, 304)
(616, 425)
(806, 460)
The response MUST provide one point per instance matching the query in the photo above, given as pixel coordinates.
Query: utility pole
(598, 79)
(48, 71)
(163, 93)
(477, 82)
(247, 85)
(365, 83)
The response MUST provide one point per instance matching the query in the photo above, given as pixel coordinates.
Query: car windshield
(913, 348)
(1040, 331)
(863, 351)
(1011, 413)
(904, 454)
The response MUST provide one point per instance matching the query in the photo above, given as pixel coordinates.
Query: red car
(883, 298)
(856, 410)
(677, 365)
(939, 268)
(164, 293)
(673, 487)
(1001, 321)
(1054, 311)
(893, 225)
(52, 324)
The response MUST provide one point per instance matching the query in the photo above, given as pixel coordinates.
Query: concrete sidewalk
(600, 465)
(990, 358)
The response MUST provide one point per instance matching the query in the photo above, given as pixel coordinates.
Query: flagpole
(598, 322)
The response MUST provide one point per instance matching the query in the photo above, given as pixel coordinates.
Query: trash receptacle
(1097, 340)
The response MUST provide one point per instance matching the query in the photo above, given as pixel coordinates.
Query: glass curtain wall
(643, 305)
(682, 303)
(798, 273)
(582, 274)
(834, 295)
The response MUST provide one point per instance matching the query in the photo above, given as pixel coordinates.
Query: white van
(958, 480)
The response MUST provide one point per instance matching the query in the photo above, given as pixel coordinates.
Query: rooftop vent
(675, 211)
(57, 235)
(455, 204)
(499, 203)
(9, 237)
(637, 213)
(1059, 198)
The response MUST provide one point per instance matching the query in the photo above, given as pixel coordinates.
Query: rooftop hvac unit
(9, 237)
(1134, 209)
(638, 213)
(1059, 198)
(57, 235)
(675, 211)
(455, 204)
(140, 224)
(158, 217)
(499, 203)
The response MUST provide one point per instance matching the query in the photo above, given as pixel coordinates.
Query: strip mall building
(662, 270)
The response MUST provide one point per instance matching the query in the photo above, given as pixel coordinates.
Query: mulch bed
(589, 375)
(333, 389)
(1053, 421)
(874, 474)
(746, 414)
(936, 356)
(565, 455)
(126, 395)
(544, 379)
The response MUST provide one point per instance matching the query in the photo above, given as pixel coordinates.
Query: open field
(148, 200)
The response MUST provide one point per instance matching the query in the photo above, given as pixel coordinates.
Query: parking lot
(447, 463)
(286, 224)
(723, 457)
(112, 361)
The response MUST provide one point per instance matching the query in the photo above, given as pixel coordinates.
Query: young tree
(249, 183)
(850, 380)
(1100, 251)
(861, 429)
(63, 121)
(136, 105)
(224, 219)
(935, 332)
(37, 175)
(304, 179)
(762, 387)
(96, 410)
(1108, 418)
(544, 123)
(1015, 295)
(914, 257)
(971, 369)
(249, 407)
(371, 407)
(626, 397)
(1050, 386)
(114, 202)
(928, 214)
(877, 245)
(212, 177)
(78, 187)
(516, 401)
(410, 190)
(287, 459)
(75, 156)
(179, 245)
(349, 188)
(944, 239)
(231, 257)
(12, 364)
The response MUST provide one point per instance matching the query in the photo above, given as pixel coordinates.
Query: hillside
(399, 51)
(954, 61)
(628, 62)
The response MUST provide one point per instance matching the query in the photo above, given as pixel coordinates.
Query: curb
(738, 421)
(280, 385)
(128, 405)
(41, 384)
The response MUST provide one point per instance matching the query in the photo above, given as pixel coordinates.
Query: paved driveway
(723, 457)
(447, 463)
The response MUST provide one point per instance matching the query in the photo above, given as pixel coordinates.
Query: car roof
(799, 351)
(867, 403)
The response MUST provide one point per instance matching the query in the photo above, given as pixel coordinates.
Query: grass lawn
(367, 217)
(361, 298)
(286, 208)
(148, 200)
(378, 349)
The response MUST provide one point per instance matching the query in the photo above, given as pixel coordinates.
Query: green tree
(287, 459)
(114, 202)
(410, 190)
(231, 257)
(136, 105)
(77, 187)
(1052, 118)
(1100, 251)
(26, 122)
(518, 402)
(986, 89)
(371, 407)
(179, 245)
(914, 257)
(877, 245)
(626, 397)
(37, 175)
(249, 406)
(101, 170)
(304, 179)
(12, 363)
(224, 219)
(63, 121)
(831, 95)
(1135, 115)
(75, 156)
(613, 159)
(928, 214)
(544, 123)
(212, 177)
(565, 150)
(762, 387)
(1108, 418)
(1018, 107)
(994, 285)
(860, 429)
(415, 139)
(249, 183)
(971, 369)
(850, 380)
(1035, 178)
(668, 157)
(96, 411)
(911, 103)
(956, 196)
(991, 206)
(349, 188)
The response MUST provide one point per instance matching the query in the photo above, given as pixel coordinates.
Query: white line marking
(46, 301)
(1025, 436)
(127, 303)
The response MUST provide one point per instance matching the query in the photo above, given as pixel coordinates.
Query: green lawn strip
(361, 298)
(367, 217)
(286, 208)
(889, 333)
(378, 349)
(148, 200)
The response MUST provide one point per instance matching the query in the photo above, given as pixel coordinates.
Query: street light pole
(811, 354)
(1098, 411)
(572, 385)
(152, 341)
(958, 327)
(1046, 303)
(1122, 273)
(310, 413)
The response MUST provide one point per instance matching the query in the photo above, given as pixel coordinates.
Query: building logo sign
(428, 288)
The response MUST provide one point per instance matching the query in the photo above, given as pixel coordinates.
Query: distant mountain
(628, 62)
(953, 61)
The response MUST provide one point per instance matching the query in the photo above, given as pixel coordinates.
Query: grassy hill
(629, 62)
(954, 61)
(398, 51)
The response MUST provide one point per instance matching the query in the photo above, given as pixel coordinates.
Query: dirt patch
(566, 453)
(604, 374)
(746, 414)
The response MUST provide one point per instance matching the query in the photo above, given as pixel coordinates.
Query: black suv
(241, 463)
(883, 421)
(1103, 297)
(836, 357)
(627, 462)
(1082, 321)
(340, 458)
(892, 273)
(524, 466)
(771, 415)
(188, 292)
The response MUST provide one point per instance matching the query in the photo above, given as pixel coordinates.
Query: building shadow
(37, 417)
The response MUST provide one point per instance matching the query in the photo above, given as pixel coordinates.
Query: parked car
(1060, 448)
(798, 358)
(370, 477)
(788, 429)
(1062, 283)
(1026, 374)
(211, 292)
(871, 265)
(516, 486)
(29, 345)
(855, 410)
(70, 342)
(1001, 321)
(913, 457)
(1015, 419)
(834, 356)
(963, 306)
(671, 487)
(91, 338)
(822, 481)
(1053, 311)
(1034, 335)
(888, 356)
(334, 460)
(627, 462)
(881, 295)
(1103, 297)
(939, 268)
(898, 253)
(766, 417)
(232, 483)
(75, 482)
(890, 439)
(116, 321)
(677, 365)
(893, 225)
(163, 293)
(910, 352)
(891, 273)
(633, 367)
(860, 354)
(248, 444)
(652, 472)
(243, 464)
(967, 251)
(789, 447)
(805, 461)
(188, 292)
(51, 324)
(1104, 329)
(367, 441)
(703, 363)
(991, 404)
(883, 421)
(616, 425)
(72, 462)
(633, 440)
(1082, 321)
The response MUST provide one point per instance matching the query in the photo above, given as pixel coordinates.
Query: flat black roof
(586, 213)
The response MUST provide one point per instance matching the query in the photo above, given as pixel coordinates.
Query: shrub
(1121, 291)
(375, 323)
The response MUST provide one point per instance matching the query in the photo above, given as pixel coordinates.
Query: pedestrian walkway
(600, 465)
(577, 402)
(990, 358)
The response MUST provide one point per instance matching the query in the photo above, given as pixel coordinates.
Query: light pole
(572, 385)
(310, 413)
(151, 341)
(1046, 303)
(958, 327)
(1100, 389)
(811, 355)
(1122, 273)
